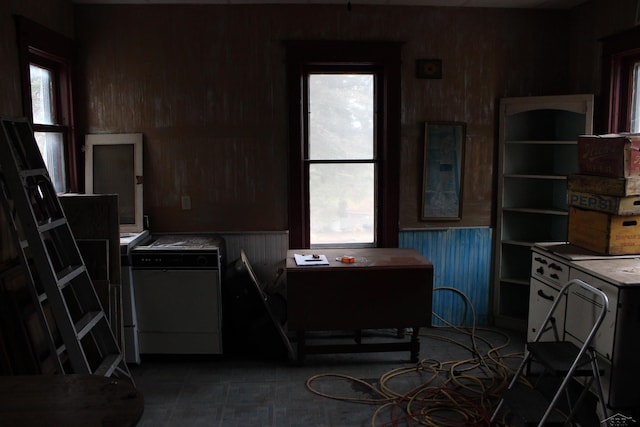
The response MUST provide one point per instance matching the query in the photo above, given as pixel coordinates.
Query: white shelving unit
(538, 149)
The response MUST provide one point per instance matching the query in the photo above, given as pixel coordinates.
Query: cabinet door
(178, 311)
(541, 298)
(582, 310)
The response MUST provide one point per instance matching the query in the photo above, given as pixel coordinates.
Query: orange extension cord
(450, 394)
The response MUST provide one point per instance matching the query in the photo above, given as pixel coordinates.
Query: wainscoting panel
(461, 260)
(266, 251)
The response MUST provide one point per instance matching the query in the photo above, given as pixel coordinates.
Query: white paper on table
(310, 260)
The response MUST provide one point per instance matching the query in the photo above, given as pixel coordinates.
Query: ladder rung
(108, 365)
(87, 322)
(51, 224)
(558, 356)
(34, 172)
(61, 349)
(42, 297)
(24, 244)
(68, 274)
(123, 372)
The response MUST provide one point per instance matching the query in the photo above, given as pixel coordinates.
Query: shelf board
(515, 281)
(547, 142)
(534, 176)
(537, 211)
(518, 243)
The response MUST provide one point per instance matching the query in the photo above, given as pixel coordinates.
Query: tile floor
(255, 391)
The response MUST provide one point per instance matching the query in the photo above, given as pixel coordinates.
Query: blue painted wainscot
(461, 259)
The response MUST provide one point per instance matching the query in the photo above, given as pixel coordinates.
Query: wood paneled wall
(205, 83)
(206, 86)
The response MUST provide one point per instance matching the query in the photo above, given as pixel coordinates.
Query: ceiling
(521, 4)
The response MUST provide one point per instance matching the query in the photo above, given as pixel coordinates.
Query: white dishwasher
(177, 281)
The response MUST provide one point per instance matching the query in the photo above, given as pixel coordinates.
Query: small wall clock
(429, 68)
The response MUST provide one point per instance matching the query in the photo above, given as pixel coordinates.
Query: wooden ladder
(50, 256)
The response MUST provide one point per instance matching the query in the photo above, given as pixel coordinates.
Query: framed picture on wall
(443, 170)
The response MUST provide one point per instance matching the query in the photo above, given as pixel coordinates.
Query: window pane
(635, 103)
(341, 116)
(51, 146)
(114, 172)
(42, 101)
(341, 203)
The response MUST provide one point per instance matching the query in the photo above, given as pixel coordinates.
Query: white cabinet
(616, 342)
(542, 296)
(537, 150)
(548, 275)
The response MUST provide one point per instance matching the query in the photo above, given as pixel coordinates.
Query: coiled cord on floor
(451, 394)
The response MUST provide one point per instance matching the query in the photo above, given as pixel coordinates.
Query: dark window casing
(42, 46)
(619, 54)
(385, 57)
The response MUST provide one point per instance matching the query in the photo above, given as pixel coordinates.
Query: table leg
(301, 346)
(415, 344)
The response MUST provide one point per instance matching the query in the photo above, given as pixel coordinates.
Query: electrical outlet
(186, 203)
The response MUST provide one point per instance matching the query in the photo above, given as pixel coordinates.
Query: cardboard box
(606, 186)
(614, 155)
(604, 233)
(610, 204)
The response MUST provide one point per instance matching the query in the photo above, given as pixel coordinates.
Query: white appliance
(177, 285)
